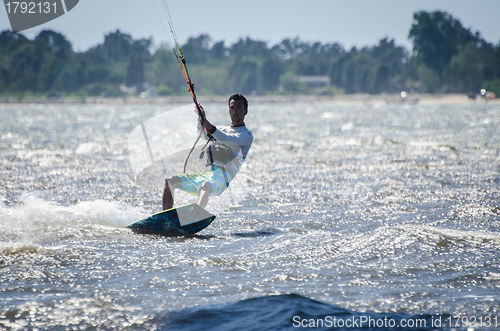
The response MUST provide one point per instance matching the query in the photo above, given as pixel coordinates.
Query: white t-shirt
(238, 135)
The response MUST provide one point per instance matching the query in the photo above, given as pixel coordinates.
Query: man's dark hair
(238, 96)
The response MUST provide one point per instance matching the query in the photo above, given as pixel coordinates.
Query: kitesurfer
(225, 157)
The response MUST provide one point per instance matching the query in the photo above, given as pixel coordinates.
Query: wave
(285, 312)
(38, 220)
(473, 236)
(274, 312)
(391, 239)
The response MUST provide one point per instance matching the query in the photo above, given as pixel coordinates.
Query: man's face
(237, 112)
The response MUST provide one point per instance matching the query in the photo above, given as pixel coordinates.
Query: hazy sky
(348, 22)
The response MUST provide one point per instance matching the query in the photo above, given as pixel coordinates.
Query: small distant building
(316, 81)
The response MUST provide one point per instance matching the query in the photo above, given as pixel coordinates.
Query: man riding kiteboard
(225, 156)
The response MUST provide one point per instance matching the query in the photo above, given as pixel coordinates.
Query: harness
(218, 154)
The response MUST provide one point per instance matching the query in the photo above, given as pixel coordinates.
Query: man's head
(238, 109)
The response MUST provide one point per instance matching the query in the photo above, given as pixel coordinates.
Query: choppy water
(356, 210)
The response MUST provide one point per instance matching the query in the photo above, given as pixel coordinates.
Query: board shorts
(218, 178)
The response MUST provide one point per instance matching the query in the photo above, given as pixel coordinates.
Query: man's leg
(168, 196)
(204, 194)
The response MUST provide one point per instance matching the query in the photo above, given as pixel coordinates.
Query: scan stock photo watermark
(24, 15)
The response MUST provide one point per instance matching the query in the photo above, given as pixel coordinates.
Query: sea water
(352, 213)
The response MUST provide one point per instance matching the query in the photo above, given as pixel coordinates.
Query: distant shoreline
(347, 99)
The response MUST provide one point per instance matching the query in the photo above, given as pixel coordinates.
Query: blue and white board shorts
(218, 178)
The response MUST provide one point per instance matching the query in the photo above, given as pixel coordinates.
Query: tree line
(446, 58)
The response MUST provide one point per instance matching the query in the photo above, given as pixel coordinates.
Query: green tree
(470, 67)
(392, 62)
(120, 46)
(25, 62)
(429, 81)
(245, 48)
(446, 57)
(54, 43)
(49, 71)
(73, 77)
(219, 51)
(244, 76)
(436, 38)
(164, 70)
(54, 51)
(135, 71)
(197, 50)
(270, 75)
(291, 84)
(9, 42)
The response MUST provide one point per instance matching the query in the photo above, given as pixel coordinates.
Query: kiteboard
(185, 220)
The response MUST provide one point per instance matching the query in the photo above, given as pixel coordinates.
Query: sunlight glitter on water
(382, 209)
